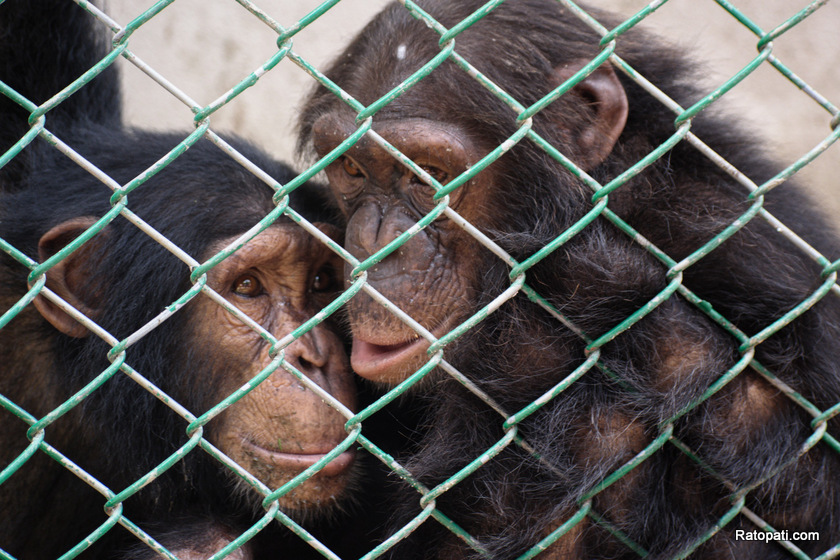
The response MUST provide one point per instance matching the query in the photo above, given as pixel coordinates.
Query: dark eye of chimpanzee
(351, 168)
(437, 174)
(247, 285)
(325, 280)
(421, 193)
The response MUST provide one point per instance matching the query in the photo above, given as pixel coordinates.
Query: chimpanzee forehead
(282, 243)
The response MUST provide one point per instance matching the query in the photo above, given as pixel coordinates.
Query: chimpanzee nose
(371, 228)
(307, 356)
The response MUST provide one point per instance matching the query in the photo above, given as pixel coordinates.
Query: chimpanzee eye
(437, 174)
(325, 279)
(351, 168)
(422, 196)
(247, 285)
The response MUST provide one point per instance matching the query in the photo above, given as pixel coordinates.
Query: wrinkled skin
(437, 275)
(383, 198)
(659, 373)
(126, 285)
(280, 279)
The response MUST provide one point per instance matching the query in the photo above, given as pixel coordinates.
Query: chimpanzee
(122, 279)
(715, 442)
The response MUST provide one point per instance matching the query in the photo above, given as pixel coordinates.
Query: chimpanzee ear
(605, 97)
(70, 278)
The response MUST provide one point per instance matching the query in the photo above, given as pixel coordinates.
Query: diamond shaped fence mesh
(30, 433)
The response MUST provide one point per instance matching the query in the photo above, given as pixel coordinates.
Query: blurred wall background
(205, 47)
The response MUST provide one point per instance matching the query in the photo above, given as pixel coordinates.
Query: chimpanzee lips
(301, 461)
(375, 361)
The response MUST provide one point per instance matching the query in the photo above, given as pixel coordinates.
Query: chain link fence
(38, 428)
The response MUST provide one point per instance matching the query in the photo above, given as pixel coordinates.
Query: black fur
(654, 370)
(120, 432)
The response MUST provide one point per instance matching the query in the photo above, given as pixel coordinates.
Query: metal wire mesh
(39, 428)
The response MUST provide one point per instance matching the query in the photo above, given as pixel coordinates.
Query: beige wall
(205, 47)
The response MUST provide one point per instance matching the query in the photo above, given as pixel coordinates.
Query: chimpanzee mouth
(300, 461)
(369, 360)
